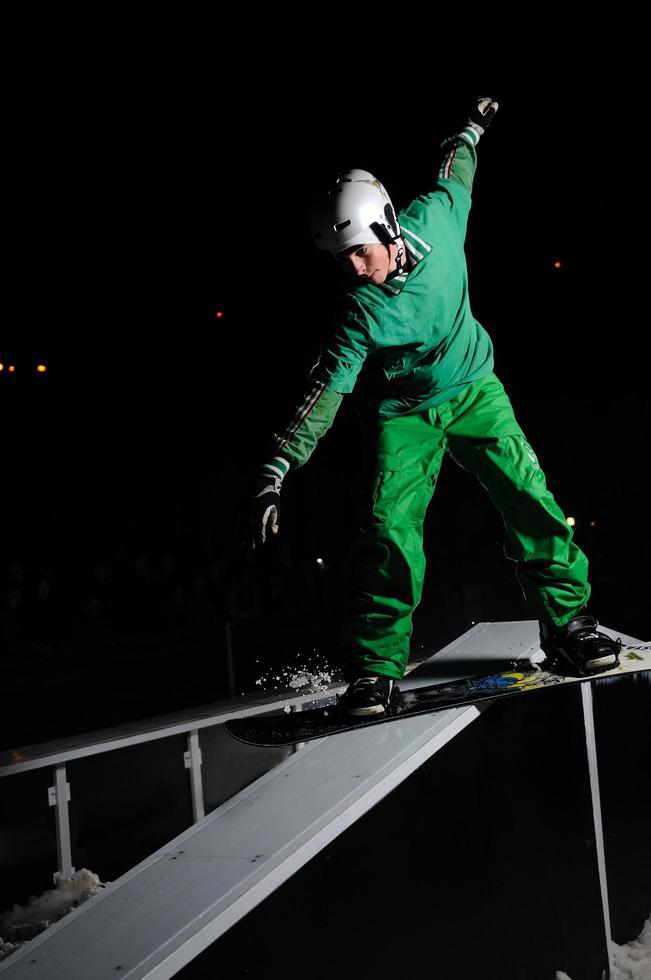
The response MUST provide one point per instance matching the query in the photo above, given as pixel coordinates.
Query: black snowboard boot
(578, 648)
(370, 694)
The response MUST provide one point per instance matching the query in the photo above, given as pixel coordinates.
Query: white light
(571, 521)
(368, 213)
(319, 561)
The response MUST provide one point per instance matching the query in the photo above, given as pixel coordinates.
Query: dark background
(152, 186)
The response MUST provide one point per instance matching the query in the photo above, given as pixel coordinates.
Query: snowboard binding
(579, 649)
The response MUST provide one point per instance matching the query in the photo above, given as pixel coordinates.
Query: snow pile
(632, 961)
(22, 922)
(311, 677)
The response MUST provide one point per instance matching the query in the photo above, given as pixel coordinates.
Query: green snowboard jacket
(411, 343)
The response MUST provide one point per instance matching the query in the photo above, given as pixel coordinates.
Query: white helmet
(356, 211)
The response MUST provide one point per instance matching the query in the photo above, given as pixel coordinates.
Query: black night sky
(145, 199)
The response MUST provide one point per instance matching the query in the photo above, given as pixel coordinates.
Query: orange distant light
(558, 265)
(2, 367)
(219, 314)
(41, 368)
(12, 368)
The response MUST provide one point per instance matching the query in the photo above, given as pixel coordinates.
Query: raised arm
(459, 158)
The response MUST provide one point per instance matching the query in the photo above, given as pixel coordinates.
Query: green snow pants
(479, 430)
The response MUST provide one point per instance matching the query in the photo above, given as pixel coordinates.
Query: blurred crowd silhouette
(91, 641)
(134, 596)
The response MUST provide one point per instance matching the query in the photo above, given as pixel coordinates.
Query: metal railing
(56, 754)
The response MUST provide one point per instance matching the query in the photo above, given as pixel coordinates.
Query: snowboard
(291, 727)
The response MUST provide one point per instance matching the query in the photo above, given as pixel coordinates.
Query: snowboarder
(429, 387)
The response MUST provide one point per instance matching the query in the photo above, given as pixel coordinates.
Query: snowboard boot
(369, 694)
(578, 648)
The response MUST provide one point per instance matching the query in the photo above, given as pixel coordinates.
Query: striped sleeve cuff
(276, 468)
(471, 133)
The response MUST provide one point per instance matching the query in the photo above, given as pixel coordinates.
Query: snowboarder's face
(372, 263)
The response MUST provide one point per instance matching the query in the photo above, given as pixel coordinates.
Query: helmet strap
(401, 265)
